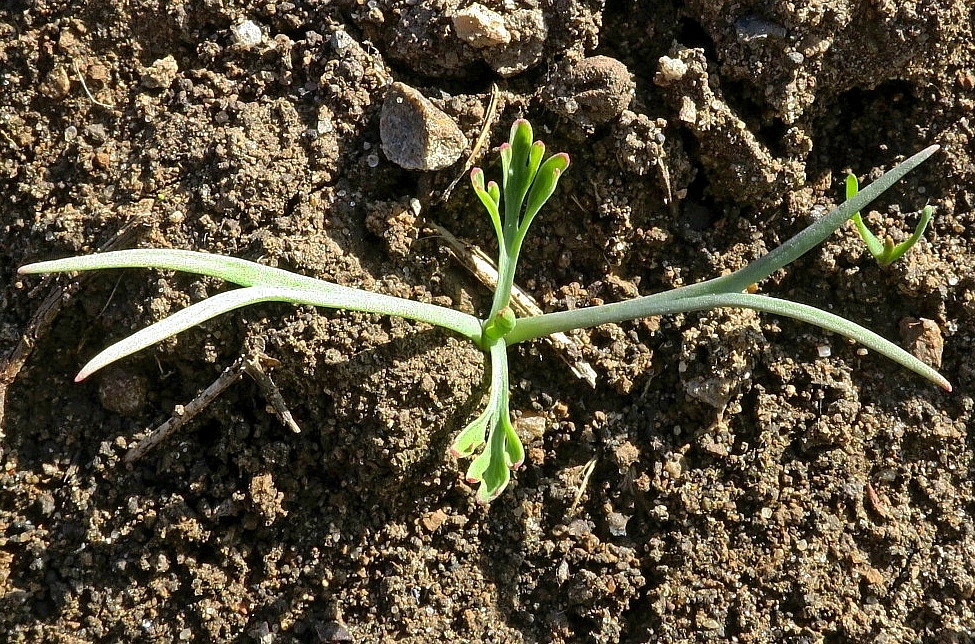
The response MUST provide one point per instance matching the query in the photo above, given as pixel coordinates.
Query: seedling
(885, 252)
(527, 183)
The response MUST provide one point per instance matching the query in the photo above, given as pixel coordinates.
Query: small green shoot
(528, 181)
(885, 252)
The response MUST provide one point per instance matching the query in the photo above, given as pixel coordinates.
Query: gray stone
(415, 133)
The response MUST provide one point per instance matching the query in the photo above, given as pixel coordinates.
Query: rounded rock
(593, 91)
(247, 34)
(415, 133)
(122, 391)
(481, 27)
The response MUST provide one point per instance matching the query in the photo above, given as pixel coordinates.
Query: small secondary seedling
(885, 252)
(528, 180)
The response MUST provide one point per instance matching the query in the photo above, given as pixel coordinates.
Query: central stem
(506, 278)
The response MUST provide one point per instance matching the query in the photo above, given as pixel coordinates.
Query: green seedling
(885, 252)
(528, 180)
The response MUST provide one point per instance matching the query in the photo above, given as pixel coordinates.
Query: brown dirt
(746, 485)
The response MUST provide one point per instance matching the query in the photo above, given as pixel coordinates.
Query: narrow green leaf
(504, 151)
(800, 244)
(472, 436)
(514, 450)
(926, 213)
(182, 320)
(641, 307)
(489, 202)
(495, 192)
(246, 273)
(496, 475)
(874, 245)
(477, 468)
(542, 189)
(517, 176)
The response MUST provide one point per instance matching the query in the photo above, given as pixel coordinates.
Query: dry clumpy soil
(750, 478)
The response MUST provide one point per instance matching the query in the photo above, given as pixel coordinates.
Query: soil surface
(731, 477)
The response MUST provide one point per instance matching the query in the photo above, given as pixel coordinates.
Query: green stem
(508, 264)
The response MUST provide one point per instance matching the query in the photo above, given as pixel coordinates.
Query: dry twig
(184, 413)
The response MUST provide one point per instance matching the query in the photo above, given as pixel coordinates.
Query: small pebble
(923, 338)
(434, 520)
(122, 391)
(752, 28)
(333, 632)
(417, 135)
(481, 27)
(616, 523)
(341, 40)
(46, 504)
(669, 70)
(247, 34)
(56, 84)
(161, 74)
(530, 427)
(593, 91)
